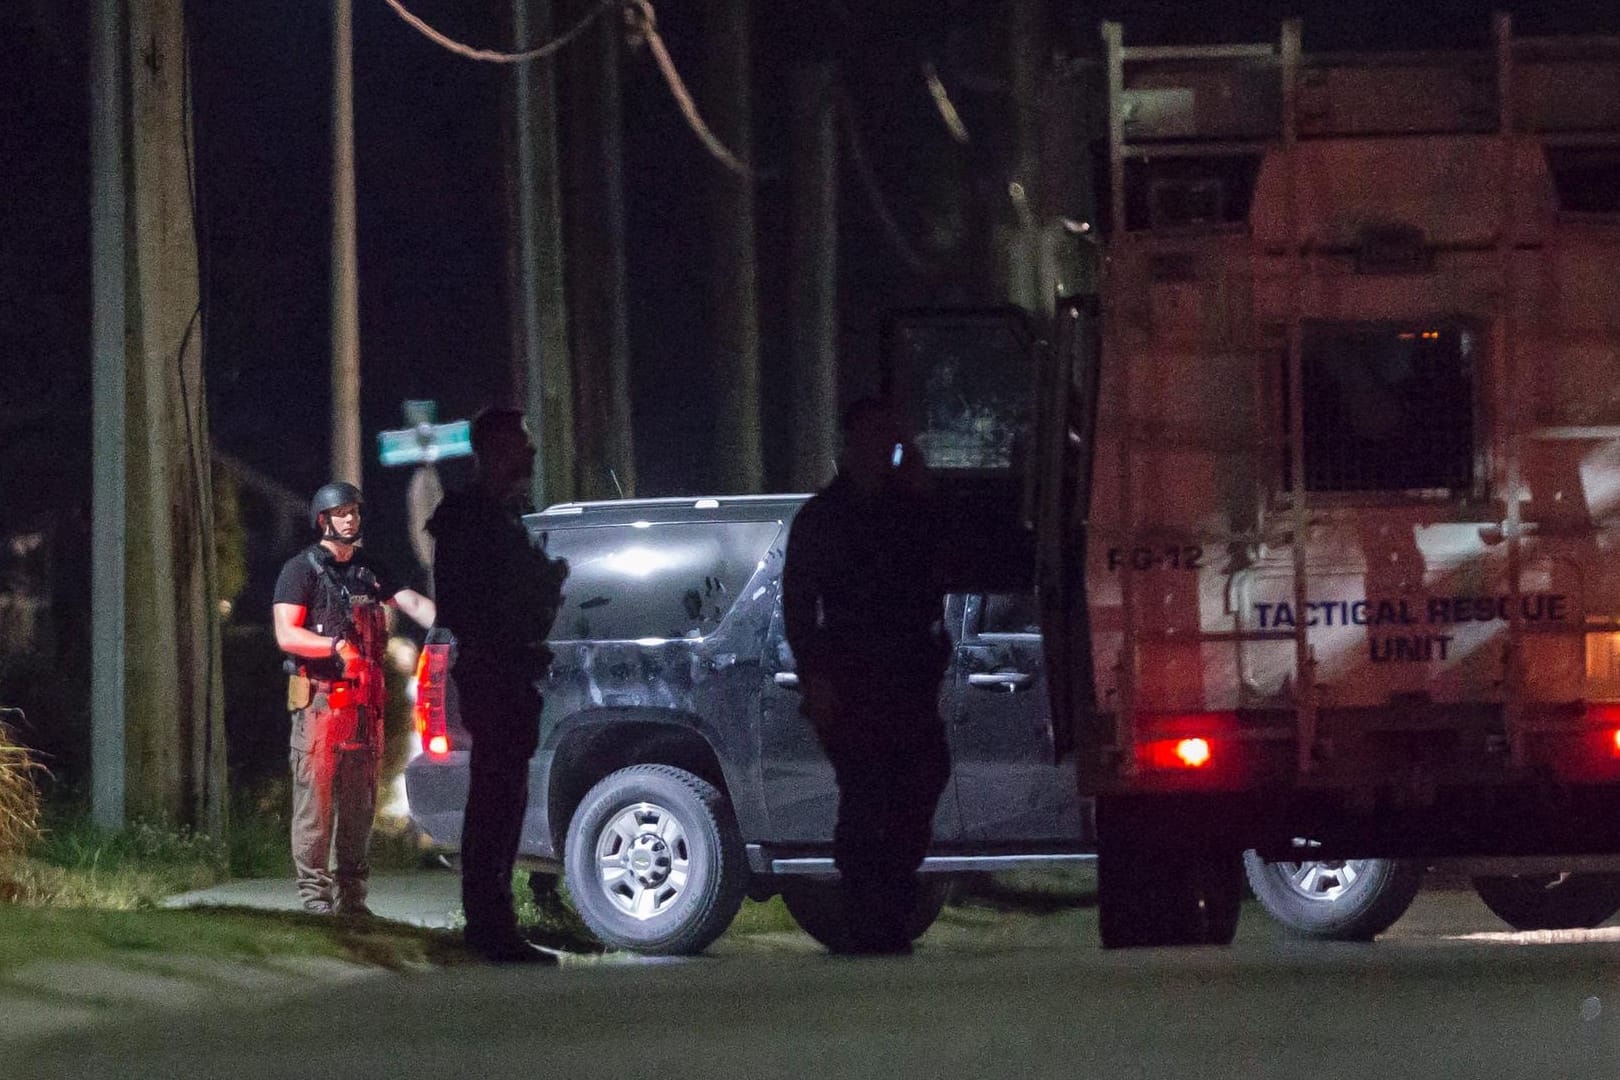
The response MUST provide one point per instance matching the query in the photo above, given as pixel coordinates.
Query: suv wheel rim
(643, 860)
(1323, 882)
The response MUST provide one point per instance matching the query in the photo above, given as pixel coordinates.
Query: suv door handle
(787, 680)
(1012, 680)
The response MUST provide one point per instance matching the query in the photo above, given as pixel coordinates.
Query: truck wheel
(818, 907)
(1160, 882)
(1551, 901)
(654, 861)
(1345, 900)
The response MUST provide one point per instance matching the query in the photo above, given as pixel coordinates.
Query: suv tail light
(432, 671)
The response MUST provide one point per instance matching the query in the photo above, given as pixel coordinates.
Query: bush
(19, 799)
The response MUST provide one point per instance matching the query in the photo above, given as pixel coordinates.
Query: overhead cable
(495, 56)
(643, 25)
(646, 29)
(903, 247)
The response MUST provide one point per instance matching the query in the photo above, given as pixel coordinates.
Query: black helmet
(330, 497)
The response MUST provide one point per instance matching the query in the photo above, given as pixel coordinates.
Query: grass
(81, 892)
(84, 893)
(75, 864)
(763, 917)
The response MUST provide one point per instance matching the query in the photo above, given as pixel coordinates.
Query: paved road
(987, 995)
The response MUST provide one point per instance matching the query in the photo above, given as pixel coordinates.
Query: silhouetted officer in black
(498, 594)
(864, 611)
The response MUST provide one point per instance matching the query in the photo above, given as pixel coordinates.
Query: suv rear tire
(655, 862)
(818, 907)
(1346, 900)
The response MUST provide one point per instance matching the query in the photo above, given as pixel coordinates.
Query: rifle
(365, 627)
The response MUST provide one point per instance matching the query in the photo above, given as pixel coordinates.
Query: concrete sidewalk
(419, 897)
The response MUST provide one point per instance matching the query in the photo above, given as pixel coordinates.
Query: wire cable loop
(642, 27)
(496, 56)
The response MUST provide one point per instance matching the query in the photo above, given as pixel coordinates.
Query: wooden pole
(108, 573)
(814, 277)
(345, 299)
(158, 743)
(540, 302)
(593, 228)
(738, 465)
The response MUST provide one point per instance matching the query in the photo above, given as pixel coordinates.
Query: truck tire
(1161, 882)
(1551, 901)
(817, 905)
(654, 861)
(1346, 900)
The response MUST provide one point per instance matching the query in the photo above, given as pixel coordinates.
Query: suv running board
(760, 862)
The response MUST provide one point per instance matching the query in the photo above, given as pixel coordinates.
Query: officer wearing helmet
(329, 620)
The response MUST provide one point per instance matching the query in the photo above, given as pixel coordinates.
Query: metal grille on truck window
(1388, 409)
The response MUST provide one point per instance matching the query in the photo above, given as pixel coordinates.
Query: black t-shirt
(302, 583)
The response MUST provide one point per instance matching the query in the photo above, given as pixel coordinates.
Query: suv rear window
(655, 580)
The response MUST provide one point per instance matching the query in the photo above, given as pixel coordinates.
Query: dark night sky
(432, 218)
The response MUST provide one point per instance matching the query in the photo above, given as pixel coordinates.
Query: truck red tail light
(1182, 742)
(1193, 753)
(1603, 714)
(432, 670)
(1187, 753)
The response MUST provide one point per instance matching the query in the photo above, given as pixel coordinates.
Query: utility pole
(594, 230)
(108, 35)
(1027, 274)
(814, 252)
(738, 459)
(345, 259)
(158, 740)
(540, 360)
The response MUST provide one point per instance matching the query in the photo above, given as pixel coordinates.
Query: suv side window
(655, 580)
(1007, 613)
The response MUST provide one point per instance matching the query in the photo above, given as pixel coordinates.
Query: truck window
(1008, 613)
(1587, 179)
(660, 581)
(1388, 408)
(968, 385)
(1190, 193)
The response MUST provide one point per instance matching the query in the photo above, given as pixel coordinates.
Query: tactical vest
(333, 612)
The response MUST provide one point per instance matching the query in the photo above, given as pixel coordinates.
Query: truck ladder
(1287, 54)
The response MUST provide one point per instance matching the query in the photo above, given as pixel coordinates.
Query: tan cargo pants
(334, 798)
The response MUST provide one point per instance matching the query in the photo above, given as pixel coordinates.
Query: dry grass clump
(19, 801)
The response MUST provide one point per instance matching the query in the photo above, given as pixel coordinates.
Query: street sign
(425, 443)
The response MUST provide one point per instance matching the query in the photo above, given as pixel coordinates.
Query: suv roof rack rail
(703, 502)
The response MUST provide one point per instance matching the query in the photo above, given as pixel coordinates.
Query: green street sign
(425, 443)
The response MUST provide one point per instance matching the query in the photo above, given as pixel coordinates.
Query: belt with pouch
(340, 693)
(302, 688)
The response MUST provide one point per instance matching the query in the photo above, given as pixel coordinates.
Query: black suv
(675, 774)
